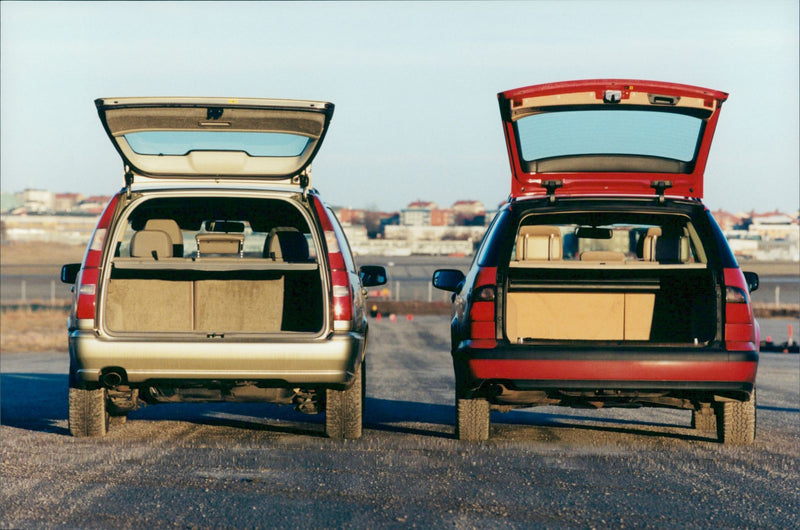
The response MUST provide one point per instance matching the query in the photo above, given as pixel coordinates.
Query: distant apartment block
(417, 213)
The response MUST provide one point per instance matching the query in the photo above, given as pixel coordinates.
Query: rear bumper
(585, 368)
(329, 361)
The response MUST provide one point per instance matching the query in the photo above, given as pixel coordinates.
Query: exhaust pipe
(112, 378)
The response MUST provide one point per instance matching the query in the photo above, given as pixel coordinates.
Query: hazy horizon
(415, 84)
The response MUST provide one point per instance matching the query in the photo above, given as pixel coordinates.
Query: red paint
(571, 370)
(609, 183)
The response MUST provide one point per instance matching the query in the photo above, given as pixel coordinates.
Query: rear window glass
(178, 143)
(184, 218)
(609, 132)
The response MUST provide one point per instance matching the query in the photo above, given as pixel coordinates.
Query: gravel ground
(254, 465)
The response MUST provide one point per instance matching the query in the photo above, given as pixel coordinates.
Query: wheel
(704, 420)
(88, 415)
(472, 419)
(736, 421)
(344, 411)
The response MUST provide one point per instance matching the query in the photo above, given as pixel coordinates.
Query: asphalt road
(254, 465)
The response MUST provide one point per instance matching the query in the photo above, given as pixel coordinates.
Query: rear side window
(344, 246)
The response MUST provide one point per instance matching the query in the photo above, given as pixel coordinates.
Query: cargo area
(615, 283)
(214, 266)
(617, 304)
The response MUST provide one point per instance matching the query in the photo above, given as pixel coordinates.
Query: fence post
(777, 296)
(430, 292)
(52, 291)
(22, 288)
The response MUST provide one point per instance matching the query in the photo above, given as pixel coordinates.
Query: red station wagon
(604, 281)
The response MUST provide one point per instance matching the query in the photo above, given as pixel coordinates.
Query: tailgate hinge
(128, 181)
(661, 186)
(551, 186)
(305, 180)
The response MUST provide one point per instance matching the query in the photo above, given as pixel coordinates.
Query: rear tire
(344, 410)
(736, 421)
(472, 419)
(704, 420)
(88, 414)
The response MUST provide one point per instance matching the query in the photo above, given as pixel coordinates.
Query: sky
(415, 84)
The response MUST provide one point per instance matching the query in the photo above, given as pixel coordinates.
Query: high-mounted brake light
(739, 323)
(342, 296)
(482, 312)
(88, 276)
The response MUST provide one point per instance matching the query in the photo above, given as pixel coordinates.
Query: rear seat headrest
(538, 242)
(154, 244)
(170, 226)
(648, 244)
(287, 244)
(665, 246)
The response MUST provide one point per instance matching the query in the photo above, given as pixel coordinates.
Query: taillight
(86, 286)
(342, 296)
(482, 313)
(739, 322)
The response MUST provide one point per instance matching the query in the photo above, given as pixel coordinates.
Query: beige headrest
(145, 242)
(538, 242)
(170, 226)
(649, 247)
(287, 244)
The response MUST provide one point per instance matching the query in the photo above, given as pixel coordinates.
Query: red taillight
(482, 313)
(739, 323)
(86, 286)
(342, 296)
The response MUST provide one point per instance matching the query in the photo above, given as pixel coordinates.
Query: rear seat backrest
(170, 226)
(154, 244)
(538, 243)
(286, 244)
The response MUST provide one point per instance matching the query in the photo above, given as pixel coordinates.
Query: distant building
(469, 213)
(441, 217)
(417, 213)
(774, 226)
(94, 204)
(66, 202)
(726, 220)
(37, 201)
(350, 216)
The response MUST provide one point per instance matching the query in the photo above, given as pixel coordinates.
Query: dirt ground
(33, 331)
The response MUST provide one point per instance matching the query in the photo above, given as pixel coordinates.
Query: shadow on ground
(38, 402)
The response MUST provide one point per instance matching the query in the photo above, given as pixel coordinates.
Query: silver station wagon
(217, 273)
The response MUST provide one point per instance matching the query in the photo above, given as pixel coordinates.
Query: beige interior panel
(638, 315)
(207, 305)
(566, 316)
(149, 305)
(238, 305)
(579, 316)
